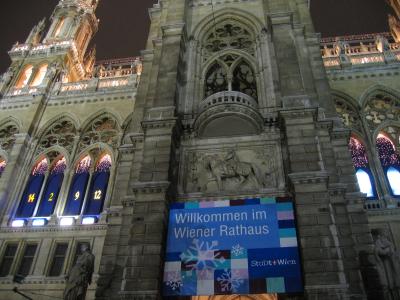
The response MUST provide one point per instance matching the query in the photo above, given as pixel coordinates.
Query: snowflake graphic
(174, 281)
(202, 256)
(237, 250)
(230, 281)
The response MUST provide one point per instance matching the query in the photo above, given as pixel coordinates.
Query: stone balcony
(228, 109)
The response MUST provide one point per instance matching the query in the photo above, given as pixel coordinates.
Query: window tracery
(348, 114)
(61, 133)
(228, 35)
(381, 107)
(103, 129)
(7, 136)
(230, 73)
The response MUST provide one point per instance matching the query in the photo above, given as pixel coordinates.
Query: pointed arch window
(24, 77)
(84, 198)
(39, 76)
(78, 187)
(363, 172)
(57, 31)
(32, 190)
(390, 161)
(243, 80)
(216, 80)
(52, 189)
(98, 186)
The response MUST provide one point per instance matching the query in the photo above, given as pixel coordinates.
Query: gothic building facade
(95, 152)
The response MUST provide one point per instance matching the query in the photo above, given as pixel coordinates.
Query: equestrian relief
(231, 170)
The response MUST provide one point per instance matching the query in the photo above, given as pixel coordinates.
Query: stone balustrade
(228, 97)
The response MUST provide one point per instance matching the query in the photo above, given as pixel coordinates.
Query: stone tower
(236, 81)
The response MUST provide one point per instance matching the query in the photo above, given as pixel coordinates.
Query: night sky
(124, 23)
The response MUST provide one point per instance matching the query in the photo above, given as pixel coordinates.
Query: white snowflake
(202, 256)
(230, 282)
(237, 250)
(175, 281)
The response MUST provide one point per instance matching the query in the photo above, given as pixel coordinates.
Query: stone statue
(382, 43)
(36, 33)
(387, 265)
(6, 78)
(80, 275)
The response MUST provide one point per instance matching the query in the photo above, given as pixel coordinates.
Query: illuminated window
(86, 198)
(32, 191)
(39, 76)
(3, 165)
(78, 187)
(24, 77)
(52, 189)
(98, 186)
(390, 161)
(363, 172)
(57, 31)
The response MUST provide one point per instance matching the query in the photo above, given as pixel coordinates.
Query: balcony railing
(228, 97)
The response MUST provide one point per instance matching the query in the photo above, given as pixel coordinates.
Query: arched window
(32, 191)
(52, 189)
(78, 187)
(363, 171)
(244, 80)
(390, 161)
(57, 31)
(39, 76)
(216, 80)
(81, 201)
(98, 186)
(24, 77)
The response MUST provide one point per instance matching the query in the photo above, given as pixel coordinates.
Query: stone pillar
(328, 231)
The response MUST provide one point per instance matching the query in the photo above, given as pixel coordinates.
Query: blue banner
(232, 247)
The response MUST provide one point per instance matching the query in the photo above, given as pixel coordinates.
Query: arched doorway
(238, 297)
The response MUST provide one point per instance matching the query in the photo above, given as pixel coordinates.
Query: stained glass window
(363, 172)
(52, 190)
(32, 190)
(390, 161)
(98, 186)
(78, 187)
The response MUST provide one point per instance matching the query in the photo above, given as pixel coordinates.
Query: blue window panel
(364, 181)
(76, 194)
(97, 193)
(50, 195)
(393, 176)
(30, 196)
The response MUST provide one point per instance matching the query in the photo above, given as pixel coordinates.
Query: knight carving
(229, 171)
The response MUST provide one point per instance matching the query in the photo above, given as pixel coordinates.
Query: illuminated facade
(89, 155)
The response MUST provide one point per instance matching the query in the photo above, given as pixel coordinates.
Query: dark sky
(124, 23)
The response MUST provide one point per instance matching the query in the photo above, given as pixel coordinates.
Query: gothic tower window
(39, 76)
(3, 165)
(390, 161)
(24, 77)
(32, 190)
(361, 164)
(59, 27)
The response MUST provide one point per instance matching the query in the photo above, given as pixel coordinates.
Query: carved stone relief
(231, 170)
